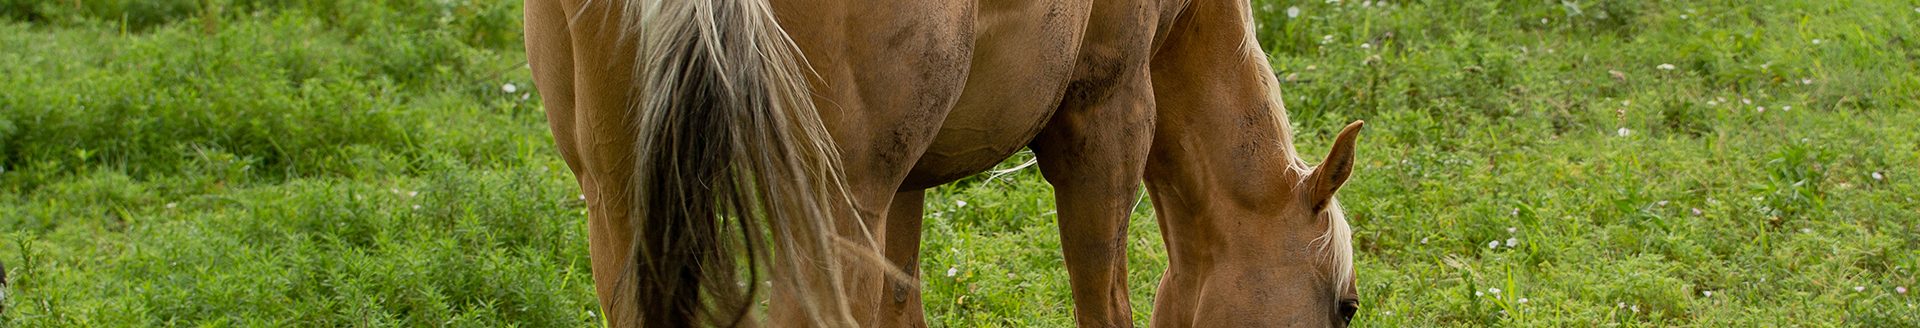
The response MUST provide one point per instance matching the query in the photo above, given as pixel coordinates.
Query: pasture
(1526, 163)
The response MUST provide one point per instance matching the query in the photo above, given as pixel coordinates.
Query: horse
(722, 142)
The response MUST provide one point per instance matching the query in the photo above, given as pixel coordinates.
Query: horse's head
(1287, 263)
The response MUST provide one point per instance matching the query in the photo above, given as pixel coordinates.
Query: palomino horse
(797, 137)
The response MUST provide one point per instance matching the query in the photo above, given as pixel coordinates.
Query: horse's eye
(1348, 308)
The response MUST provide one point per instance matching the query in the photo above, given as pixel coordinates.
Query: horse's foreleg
(1093, 152)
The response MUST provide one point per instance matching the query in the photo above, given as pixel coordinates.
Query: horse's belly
(1023, 57)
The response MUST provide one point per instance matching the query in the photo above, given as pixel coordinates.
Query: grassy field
(1527, 163)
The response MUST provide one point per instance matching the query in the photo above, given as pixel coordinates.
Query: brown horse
(797, 137)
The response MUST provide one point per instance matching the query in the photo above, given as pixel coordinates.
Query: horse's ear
(1333, 172)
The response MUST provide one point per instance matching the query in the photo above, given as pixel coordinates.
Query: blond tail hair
(730, 153)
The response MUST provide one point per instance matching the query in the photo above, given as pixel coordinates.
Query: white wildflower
(1859, 288)
(1746, 101)
(1706, 293)
(1635, 308)
(1293, 11)
(1326, 39)
(1901, 289)
(1511, 242)
(1493, 290)
(1478, 293)
(1683, 16)
(1816, 41)
(1760, 109)
(1665, 67)
(1523, 300)
(960, 202)
(1786, 108)
(1696, 211)
(171, 205)
(1806, 81)
(1366, 46)
(1493, 244)
(509, 88)
(1661, 203)
(1624, 132)
(1512, 229)
(416, 207)
(413, 193)
(952, 271)
(1713, 103)
(1876, 176)
(1543, 20)
(1423, 240)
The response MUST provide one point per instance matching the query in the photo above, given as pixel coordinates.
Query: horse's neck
(1217, 166)
(1221, 154)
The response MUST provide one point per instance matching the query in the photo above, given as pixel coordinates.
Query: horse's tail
(729, 147)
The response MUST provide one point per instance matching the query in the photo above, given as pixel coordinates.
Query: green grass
(356, 163)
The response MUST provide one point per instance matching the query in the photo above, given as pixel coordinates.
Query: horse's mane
(1336, 244)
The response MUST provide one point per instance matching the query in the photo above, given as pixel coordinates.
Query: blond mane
(1336, 244)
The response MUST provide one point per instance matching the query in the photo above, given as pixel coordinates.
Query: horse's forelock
(1336, 246)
